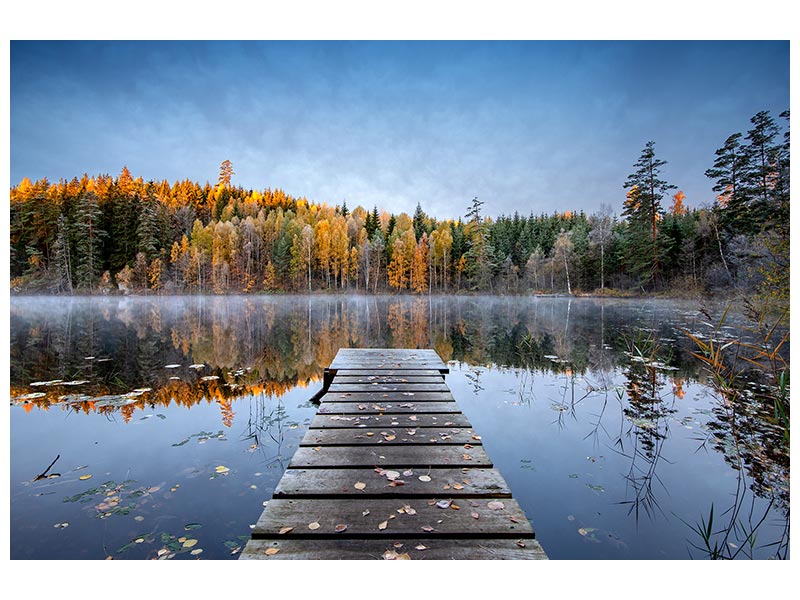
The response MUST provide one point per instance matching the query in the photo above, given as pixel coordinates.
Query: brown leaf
(340, 528)
(520, 543)
(359, 485)
(513, 519)
(397, 483)
(390, 438)
(284, 530)
(271, 551)
(467, 446)
(427, 528)
(458, 486)
(495, 505)
(446, 486)
(403, 556)
(475, 515)
(466, 457)
(408, 510)
(390, 555)
(455, 506)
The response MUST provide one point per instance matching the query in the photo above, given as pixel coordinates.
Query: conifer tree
(89, 242)
(644, 204)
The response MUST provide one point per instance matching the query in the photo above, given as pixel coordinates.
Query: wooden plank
(372, 549)
(387, 387)
(392, 420)
(385, 398)
(389, 373)
(389, 436)
(365, 518)
(339, 483)
(354, 408)
(387, 379)
(389, 456)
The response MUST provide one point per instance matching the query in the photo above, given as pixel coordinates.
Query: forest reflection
(123, 354)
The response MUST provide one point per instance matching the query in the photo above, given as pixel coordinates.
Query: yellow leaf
(84, 477)
(383, 525)
(189, 543)
(314, 525)
(221, 469)
(360, 485)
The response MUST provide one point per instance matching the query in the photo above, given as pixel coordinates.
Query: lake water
(172, 419)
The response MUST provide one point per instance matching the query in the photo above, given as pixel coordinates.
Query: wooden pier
(391, 468)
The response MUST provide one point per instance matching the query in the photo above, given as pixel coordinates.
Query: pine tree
(225, 173)
(762, 166)
(728, 173)
(63, 263)
(644, 204)
(89, 242)
(419, 222)
(147, 229)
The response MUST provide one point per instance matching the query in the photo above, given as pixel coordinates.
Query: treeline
(104, 234)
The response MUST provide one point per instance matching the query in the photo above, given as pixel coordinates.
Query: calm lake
(172, 419)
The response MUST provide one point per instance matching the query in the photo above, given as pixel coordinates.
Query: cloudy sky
(525, 126)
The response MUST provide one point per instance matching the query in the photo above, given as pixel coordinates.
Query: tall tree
(225, 173)
(600, 235)
(89, 242)
(728, 173)
(649, 191)
(763, 152)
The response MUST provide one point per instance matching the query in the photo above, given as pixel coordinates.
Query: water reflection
(617, 370)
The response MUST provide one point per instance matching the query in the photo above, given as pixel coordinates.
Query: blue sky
(528, 126)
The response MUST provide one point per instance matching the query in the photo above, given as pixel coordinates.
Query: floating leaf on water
(340, 528)
(61, 525)
(31, 396)
(596, 488)
(191, 526)
(314, 525)
(424, 478)
(584, 531)
(222, 469)
(138, 518)
(270, 551)
(285, 530)
(495, 505)
(196, 551)
(189, 543)
(360, 485)
(84, 477)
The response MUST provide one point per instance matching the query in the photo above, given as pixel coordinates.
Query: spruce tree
(643, 205)
(89, 242)
(728, 173)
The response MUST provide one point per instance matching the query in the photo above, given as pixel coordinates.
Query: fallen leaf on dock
(340, 528)
(424, 478)
(495, 505)
(383, 525)
(271, 551)
(314, 525)
(359, 485)
(285, 530)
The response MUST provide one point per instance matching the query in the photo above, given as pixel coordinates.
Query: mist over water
(595, 412)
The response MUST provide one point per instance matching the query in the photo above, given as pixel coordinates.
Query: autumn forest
(107, 234)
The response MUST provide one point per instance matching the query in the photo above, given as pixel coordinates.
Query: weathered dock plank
(375, 407)
(394, 549)
(390, 420)
(341, 483)
(388, 399)
(389, 456)
(391, 468)
(390, 436)
(439, 516)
